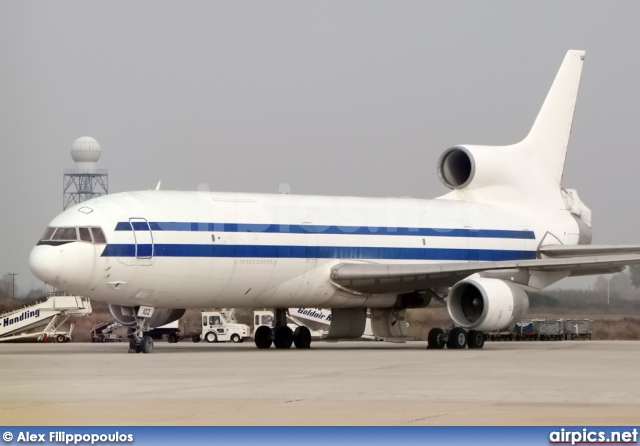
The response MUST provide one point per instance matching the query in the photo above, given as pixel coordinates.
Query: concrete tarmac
(347, 383)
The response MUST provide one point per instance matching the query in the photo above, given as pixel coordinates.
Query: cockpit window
(65, 234)
(61, 236)
(85, 235)
(47, 234)
(98, 235)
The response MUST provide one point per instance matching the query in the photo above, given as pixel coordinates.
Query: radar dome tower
(86, 181)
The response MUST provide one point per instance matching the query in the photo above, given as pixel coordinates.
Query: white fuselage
(171, 249)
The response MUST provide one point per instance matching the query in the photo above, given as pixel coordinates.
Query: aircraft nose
(45, 264)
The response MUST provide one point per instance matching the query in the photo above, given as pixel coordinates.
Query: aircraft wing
(372, 278)
(587, 250)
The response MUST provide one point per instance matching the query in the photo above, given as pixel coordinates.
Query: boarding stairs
(50, 313)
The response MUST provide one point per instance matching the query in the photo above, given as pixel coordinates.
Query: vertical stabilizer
(547, 141)
(526, 172)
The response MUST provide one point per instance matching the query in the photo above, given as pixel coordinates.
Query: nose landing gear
(139, 342)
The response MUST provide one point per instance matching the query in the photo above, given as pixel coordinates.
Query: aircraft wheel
(302, 337)
(235, 338)
(457, 338)
(282, 337)
(133, 346)
(435, 338)
(475, 339)
(211, 337)
(263, 337)
(146, 346)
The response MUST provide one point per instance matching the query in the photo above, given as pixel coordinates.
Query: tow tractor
(221, 326)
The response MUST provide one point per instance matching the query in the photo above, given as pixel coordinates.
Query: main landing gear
(456, 338)
(281, 336)
(139, 342)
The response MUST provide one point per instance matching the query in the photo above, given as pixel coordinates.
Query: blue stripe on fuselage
(318, 229)
(320, 252)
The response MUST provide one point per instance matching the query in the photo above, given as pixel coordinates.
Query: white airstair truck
(51, 313)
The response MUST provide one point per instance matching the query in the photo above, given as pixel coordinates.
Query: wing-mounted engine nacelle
(485, 304)
(161, 316)
(462, 166)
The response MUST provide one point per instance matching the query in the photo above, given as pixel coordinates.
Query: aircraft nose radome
(45, 264)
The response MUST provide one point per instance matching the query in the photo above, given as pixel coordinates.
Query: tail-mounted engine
(161, 316)
(485, 304)
(463, 166)
(456, 167)
(532, 166)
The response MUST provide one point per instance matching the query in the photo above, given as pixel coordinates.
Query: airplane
(506, 227)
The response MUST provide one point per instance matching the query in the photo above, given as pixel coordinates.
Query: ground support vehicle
(220, 326)
(526, 329)
(501, 335)
(103, 332)
(551, 329)
(577, 329)
(170, 330)
(52, 313)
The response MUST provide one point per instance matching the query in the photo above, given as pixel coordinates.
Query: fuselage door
(473, 243)
(143, 237)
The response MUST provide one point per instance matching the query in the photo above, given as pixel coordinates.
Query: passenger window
(204, 320)
(47, 234)
(98, 235)
(85, 236)
(66, 234)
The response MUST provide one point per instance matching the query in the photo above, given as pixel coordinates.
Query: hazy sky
(331, 97)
